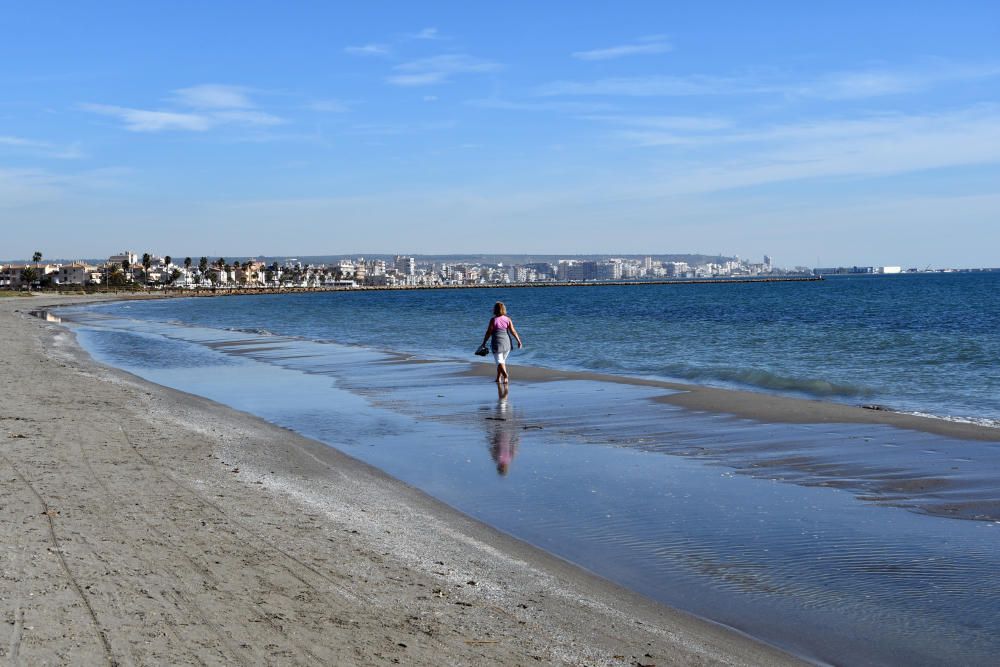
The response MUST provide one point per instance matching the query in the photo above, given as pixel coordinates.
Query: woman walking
(500, 329)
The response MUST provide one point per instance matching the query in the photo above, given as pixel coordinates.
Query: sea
(856, 544)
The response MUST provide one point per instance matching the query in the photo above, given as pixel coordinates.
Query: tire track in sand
(263, 542)
(57, 548)
(182, 594)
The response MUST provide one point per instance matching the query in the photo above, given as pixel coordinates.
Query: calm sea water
(926, 343)
(831, 541)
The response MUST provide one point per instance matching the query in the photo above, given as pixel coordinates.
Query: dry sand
(147, 526)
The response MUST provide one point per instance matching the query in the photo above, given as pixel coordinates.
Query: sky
(820, 133)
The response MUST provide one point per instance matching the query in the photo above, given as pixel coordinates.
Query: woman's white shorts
(500, 357)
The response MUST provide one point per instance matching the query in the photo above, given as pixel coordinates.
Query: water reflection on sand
(503, 431)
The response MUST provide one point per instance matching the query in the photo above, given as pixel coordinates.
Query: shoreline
(130, 501)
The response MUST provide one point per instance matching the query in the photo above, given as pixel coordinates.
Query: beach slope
(146, 526)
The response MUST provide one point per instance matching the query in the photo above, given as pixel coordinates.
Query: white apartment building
(77, 274)
(124, 256)
(406, 265)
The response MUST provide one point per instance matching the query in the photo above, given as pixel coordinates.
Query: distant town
(129, 270)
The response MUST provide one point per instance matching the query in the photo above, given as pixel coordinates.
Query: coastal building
(518, 274)
(406, 265)
(611, 270)
(542, 270)
(676, 269)
(13, 274)
(124, 256)
(9, 275)
(631, 271)
(252, 273)
(840, 270)
(574, 271)
(564, 269)
(77, 274)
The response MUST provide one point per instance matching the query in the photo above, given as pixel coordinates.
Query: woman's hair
(499, 309)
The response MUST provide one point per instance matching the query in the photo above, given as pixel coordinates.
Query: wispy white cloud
(881, 82)
(644, 46)
(866, 147)
(847, 85)
(214, 96)
(42, 148)
(149, 120)
(439, 69)
(665, 130)
(653, 86)
(246, 118)
(546, 106)
(394, 129)
(427, 33)
(146, 120)
(368, 50)
(681, 123)
(329, 106)
(28, 187)
(18, 141)
(209, 106)
(21, 187)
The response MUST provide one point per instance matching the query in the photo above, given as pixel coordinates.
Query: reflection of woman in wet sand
(500, 329)
(504, 434)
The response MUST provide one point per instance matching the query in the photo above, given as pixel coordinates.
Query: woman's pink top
(501, 322)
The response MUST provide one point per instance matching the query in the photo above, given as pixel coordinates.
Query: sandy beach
(148, 526)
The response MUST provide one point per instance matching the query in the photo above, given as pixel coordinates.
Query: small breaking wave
(771, 381)
(257, 331)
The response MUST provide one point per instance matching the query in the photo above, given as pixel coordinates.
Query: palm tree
(127, 270)
(37, 257)
(187, 263)
(117, 277)
(203, 264)
(167, 260)
(29, 275)
(147, 261)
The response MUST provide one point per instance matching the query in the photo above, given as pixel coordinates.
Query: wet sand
(145, 525)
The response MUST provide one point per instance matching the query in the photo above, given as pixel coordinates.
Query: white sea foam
(978, 421)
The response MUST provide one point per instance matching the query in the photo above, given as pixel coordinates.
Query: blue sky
(817, 132)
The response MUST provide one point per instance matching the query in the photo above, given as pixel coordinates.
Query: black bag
(482, 350)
